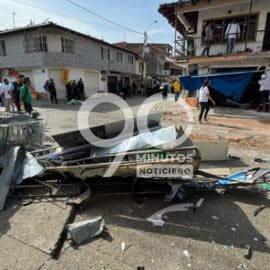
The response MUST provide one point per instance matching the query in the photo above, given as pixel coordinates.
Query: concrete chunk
(86, 230)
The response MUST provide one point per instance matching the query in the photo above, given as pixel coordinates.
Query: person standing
(6, 94)
(74, 90)
(25, 96)
(80, 86)
(204, 97)
(177, 86)
(264, 93)
(52, 90)
(45, 86)
(208, 37)
(190, 44)
(231, 34)
(69, 91)
(1, 100)
(15, 88)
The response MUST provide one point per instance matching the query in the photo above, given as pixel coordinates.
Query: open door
(266, 41)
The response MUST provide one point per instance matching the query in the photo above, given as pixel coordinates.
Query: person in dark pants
(264, 93)
(69, 91)
(16, 86)
(25, 96)
(204, 97)
(52, 90)
(81, 92)
(75, 94)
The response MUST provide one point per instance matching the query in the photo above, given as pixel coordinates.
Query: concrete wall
(259, 6)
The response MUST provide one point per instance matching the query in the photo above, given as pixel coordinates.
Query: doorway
(266, 41)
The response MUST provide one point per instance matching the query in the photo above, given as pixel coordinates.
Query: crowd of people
(16, 96)
(74, 90)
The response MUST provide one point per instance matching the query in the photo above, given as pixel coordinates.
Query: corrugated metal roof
(52, 24)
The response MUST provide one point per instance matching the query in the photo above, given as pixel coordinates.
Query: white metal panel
(91, 82)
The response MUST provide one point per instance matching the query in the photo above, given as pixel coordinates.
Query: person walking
(25, 96)
(6, 94)
(15, 88)
(264, 93)
(177, 87)
(231, 34)
(208, 38)
(52, 90)
(45, 86)
(204, 97)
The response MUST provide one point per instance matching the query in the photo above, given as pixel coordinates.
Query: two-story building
(190, 18)
(157, 58)
(49, 50)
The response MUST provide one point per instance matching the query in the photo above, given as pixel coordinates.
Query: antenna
(13, 18)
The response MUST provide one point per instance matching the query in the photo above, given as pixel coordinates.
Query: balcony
(190, 47)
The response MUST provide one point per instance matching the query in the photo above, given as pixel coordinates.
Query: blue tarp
(229, 84)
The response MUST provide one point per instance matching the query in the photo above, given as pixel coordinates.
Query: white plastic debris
(123, 246)
(186, 253)
(255, 239)
(215, 217)
(233, 229)
(156, 218)
(199, 203)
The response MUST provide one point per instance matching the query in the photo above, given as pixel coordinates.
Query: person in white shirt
(231, 34)
(204, 97)
(264, 92)
(6, 94)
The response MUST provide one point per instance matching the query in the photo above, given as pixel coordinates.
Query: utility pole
(13, 19)
(144, 53)
(145, 45)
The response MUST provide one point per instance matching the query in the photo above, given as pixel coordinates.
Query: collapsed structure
(132, 164)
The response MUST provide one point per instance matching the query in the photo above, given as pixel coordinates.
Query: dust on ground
(27, 233)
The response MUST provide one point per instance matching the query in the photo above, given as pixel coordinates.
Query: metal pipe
(248, 24)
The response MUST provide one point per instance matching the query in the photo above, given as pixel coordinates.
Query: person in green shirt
(26, 96)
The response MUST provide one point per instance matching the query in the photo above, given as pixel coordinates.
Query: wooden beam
(203, 5)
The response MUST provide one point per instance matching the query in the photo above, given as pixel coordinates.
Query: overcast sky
(136, 14)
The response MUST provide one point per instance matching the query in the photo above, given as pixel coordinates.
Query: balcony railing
(192, 46)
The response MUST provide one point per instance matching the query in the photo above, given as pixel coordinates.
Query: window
(3, 48)
(36, 44)
(247, 25)
(119, 57)
(105, 53)
(102, 53)
(130, 59)
(109, 54)
(67, 45)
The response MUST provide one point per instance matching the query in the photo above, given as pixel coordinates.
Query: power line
(103, 18)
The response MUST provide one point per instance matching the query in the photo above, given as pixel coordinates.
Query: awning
(227, 83)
